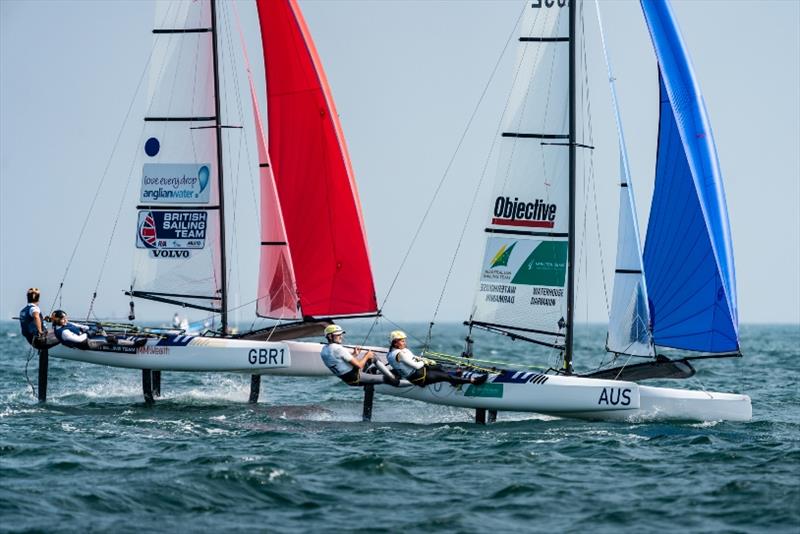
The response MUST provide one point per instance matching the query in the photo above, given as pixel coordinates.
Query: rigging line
(469, 211)
(586, 175)
(252, 85)
(237, 93)
(27, 378)
(192, 133)
(469, 362)
(592, 173)
(114, 228)
(452, 159)
(624, 157)
(524, 101)
(103, 176)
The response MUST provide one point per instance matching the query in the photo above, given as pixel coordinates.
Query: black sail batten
(524, 232)
(180, 119)
(544, 39)
(524, 135)
(181, 30)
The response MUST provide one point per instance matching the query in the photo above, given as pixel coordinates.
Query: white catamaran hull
(518, 391)
(582, 398)
(198, 353)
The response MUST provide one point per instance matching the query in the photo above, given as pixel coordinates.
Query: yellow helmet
(397, 334)
(333, 329)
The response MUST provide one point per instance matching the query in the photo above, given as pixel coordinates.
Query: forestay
(522, 287)
(688, 253)
(178, 231)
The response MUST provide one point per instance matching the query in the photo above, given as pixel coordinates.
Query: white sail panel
(629, 329)
(522, 286)
(524, 273)
(629, 319)
(177, 236)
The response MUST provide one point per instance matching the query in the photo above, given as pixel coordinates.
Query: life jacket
(398, 365)
(59, 331)
(333, 357)
(26, 321)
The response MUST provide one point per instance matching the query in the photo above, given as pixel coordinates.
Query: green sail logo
(501, 258)
(545, 266)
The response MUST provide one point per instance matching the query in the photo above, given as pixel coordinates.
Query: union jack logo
(147, 231)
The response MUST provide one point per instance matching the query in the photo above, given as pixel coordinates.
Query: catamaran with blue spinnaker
(677, 295)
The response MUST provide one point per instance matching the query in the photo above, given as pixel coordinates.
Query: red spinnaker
(314, 178)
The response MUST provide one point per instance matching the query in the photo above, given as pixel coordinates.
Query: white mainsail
(522, 285)
(178, 232)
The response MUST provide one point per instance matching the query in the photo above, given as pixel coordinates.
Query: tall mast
(221, 188)
(568, 342)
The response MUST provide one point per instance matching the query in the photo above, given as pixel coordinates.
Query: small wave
(514, 490)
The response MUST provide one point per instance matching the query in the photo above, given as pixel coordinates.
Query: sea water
(96, 458)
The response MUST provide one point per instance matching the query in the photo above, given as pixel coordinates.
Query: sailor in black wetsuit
(422, 371)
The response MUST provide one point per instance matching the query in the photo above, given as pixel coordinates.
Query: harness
(351, 378)
(421, 375)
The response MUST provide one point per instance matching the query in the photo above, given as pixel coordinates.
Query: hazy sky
(406, 76)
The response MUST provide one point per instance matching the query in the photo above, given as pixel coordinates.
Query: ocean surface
(96, 458)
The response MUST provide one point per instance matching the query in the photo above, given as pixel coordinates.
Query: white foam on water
(106, 390)
(275, 473)
(69, 427)
(705, 424)
(11, 412)
(224, 388)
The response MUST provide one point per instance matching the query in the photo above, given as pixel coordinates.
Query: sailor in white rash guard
(418, 370)
(348, 366)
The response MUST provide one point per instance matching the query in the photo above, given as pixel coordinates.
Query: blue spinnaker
(688, 256)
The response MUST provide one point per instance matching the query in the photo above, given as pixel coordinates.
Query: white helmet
(397, 334)
(333, 330)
